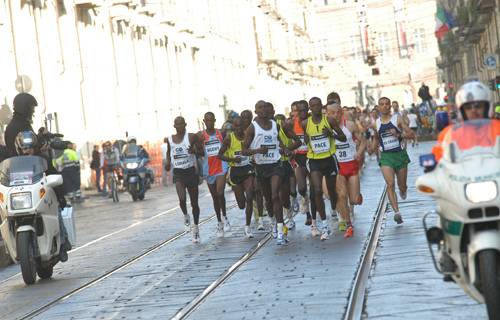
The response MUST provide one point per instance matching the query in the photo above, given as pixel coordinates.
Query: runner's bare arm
(359, 136)
(287, 128)
(195, 145)
(407, 132)
(167, 162)
(225, 145)
(375, 142)
(303, 124)
(336, 131)
(249, 135)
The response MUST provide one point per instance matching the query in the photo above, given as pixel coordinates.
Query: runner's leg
(389, 174)
(213, 192)
(221, 184)
(193, 197)
(181, 194)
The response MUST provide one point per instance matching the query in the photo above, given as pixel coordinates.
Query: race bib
(271, 152)
(212, 148)
(344, 152)
(320, 144)
(389, 141)
(244, 159)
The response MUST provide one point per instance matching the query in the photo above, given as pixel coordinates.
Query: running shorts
(266, 171)
(327, 166)
(349, 168)
(396, 160)
(188, 177)
(301, 160)
(238, 175)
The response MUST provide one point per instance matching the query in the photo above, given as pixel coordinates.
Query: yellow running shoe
(342, 226)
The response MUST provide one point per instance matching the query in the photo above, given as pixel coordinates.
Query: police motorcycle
(465, 184)
(137, 178)
(29, 212)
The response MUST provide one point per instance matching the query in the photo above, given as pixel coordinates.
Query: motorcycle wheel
(489, 267)
(44, 273)
(114, 188)
(26, 255)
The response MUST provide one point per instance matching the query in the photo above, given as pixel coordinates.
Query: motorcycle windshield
(22, 170)
(131, 151)
(471, 138)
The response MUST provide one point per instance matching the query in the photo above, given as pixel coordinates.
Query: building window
(419, 41)
(383, 44)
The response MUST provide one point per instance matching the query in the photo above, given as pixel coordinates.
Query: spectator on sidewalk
(95, 165)
(164, 173)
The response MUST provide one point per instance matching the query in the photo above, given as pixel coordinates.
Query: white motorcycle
(29, 216)
(465, 184)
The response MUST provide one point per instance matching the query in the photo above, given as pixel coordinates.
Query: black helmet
(25, 142)
(24, 104)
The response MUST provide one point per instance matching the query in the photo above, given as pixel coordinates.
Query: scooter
(136, 176)
(29, 216)
(465, 184)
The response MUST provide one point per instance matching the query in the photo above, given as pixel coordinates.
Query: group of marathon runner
(291, 165)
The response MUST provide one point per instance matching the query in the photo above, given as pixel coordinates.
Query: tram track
(357, 294)
(117, 268)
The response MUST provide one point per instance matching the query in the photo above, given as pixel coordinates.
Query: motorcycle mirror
(434, 235)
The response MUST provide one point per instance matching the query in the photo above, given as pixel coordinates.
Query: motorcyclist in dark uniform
(142, 154)
(24, 108)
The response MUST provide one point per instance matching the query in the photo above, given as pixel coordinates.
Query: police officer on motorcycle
(27, 143)
(142, 154)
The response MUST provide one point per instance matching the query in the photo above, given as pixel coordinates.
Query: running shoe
(342, 226)
(314, 231)
(290, 224)
(260, 225)
(304, 204)
(227, 226)
(398, 218)
(325, 232)
(196, 234)
(349, 232)
(295, 205)
(187, 223)
(281, 239)
(274, 228)
(403, 195)
(248, 232)
(220, 230)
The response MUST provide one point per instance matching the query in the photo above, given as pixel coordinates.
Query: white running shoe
(260, 225)
(220, 230)
(314, 231)
(304, 204)
(187, 223)
(403, 195)
(290, 224)
(227, 225)
(325, 233)
(295, 205)
(248, 232)
(274, 227)
(281, 239)
(196, 234)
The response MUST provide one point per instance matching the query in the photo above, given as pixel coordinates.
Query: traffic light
(375, 71)
(371, 60)
(497, 82)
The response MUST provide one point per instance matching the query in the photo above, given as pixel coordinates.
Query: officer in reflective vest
(69, 165)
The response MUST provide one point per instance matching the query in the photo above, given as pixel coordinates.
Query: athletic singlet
(234, 151)
(388, 142)
(299, 131)
(212, 146)
(286, 141)
(179, 155)
(346, 151)
(320, 146)
(269, 139)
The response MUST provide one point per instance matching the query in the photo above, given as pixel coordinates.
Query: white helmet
(474, 92)
(131, 138)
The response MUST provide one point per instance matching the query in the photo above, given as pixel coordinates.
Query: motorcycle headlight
(481, 191)
(20, 200)
(132, 165)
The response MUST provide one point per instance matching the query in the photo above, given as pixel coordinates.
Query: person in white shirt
(413, 124)
(164, 147)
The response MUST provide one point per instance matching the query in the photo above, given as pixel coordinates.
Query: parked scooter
(29, 216)
(136, 176)
(465, 184)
